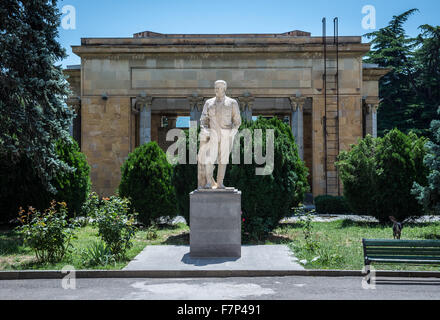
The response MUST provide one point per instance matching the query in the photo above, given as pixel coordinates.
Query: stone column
(296, 122)
(143, 104)
(371, 118)
(195, 107)
(246, 103)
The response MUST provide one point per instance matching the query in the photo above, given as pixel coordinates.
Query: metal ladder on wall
(330, 80)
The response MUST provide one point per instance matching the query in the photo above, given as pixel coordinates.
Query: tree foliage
(378, 175)
(265, 198)
(146, 181)
(72, 187)
(21, 187)
(429, 195)
(33, 115)
(410, 92)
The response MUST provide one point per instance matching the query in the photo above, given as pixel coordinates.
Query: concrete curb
(88, 274)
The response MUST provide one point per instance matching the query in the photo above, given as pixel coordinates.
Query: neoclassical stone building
(128, 91)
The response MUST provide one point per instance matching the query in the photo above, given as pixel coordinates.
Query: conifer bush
(146, 181)
(378, 175)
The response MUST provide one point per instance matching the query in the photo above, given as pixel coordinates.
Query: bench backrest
(401, 249)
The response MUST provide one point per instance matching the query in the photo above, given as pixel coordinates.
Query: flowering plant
(116, 226)
(48, 233)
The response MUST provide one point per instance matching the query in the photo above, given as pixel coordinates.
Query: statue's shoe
(208, 186)
(221, 186)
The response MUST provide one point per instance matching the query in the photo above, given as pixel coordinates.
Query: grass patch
(339, 243)
(14, 255)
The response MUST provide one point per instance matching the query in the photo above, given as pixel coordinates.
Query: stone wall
(105, 140)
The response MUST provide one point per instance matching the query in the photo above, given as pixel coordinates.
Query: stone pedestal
(215, 223)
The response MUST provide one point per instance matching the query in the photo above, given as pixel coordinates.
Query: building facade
(129, 91)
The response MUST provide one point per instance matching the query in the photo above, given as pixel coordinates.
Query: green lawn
(16, 256)
(338, 245)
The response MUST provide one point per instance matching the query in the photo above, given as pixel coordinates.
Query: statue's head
(220, 88)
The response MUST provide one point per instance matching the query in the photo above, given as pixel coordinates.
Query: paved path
(266, 288)
(263, 257)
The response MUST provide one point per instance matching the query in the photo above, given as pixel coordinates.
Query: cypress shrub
(265, 198)
(73, 187)
(378, 175)
(146, 181)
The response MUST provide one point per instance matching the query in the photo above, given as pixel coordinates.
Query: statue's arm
(204, 119)
(236, 118)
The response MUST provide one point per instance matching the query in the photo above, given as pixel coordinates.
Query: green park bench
(415, 252)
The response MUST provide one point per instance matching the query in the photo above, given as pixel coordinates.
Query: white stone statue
(219, 124)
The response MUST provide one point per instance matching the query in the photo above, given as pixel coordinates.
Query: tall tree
(411, 91)
(427, 81)
(392, 48)
(33, 115)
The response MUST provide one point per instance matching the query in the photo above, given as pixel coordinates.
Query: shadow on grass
(183, 239)
(290, 225)
(10, 242)
(168, 226)
(431, 236)
(347, 223)
(178, 240)
(271, 238)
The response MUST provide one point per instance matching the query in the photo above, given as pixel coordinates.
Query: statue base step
(215, 223)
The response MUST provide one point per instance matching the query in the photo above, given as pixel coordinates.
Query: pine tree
(427, 70)
(392, 48)
(33, 115)
(411, 91)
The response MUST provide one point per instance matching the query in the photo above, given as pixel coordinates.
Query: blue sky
(117, 18)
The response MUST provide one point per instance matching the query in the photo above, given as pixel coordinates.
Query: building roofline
(152, 34)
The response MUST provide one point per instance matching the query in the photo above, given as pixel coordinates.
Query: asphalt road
(265, 288)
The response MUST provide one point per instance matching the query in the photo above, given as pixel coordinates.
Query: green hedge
(326, 204)
(146, 181)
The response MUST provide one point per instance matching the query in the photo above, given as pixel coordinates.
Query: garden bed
(14, 255)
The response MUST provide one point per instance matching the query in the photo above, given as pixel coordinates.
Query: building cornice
(374, 74)
(218, 44)
(349, 50)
